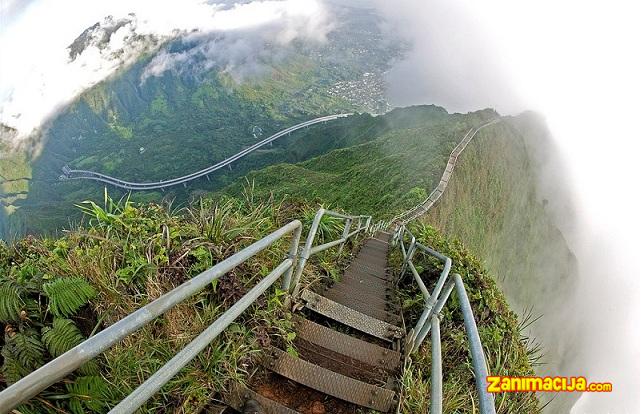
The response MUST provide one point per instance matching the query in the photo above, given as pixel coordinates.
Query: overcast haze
(578, 63)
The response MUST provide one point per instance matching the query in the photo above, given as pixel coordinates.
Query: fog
(38, 76)
(578, 64)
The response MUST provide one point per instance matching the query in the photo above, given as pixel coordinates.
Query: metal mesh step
(380, 300)
(239, 394)
(367, 267)
(328, 382)
(357, 270)
(350, 317)
(366, 284)
(374, 309)
(347, 345)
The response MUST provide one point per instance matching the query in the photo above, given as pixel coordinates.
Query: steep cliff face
(496, 205)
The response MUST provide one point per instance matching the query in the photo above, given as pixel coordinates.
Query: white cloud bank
(37, 76)
(580, 64)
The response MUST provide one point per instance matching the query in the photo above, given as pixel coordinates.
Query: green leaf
(10, 302)
(67, 295)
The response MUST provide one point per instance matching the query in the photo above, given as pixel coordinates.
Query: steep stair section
(347, 342)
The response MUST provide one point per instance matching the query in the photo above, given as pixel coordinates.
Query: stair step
(239, 394)
(365, 284)
(373, 252)
(374, 309)
(378, 300)
(367, 268)
(339, 363)
(357, 273)
(328, 382)
(344, 344)
(383, 236)
(350, 317)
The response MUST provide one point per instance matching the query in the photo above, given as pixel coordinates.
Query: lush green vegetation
(401, 161)
(493, 205)
(508, 351)
(55, 292)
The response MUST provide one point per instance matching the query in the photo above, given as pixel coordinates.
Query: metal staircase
(348, 343)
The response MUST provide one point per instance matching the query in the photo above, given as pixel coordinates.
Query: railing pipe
(292, 254)
(447, 290)
(486, 400)
(325, 246)
(153, 384)
(57, 369)
(437, 368)
(431, 302)
(345, 234)
(306, 250)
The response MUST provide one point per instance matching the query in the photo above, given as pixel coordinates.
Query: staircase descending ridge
(348, 343)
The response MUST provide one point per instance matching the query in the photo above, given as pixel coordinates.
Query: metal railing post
(292, 254)
(306, 250)
(486, 400)
(437, 368)
(345, 233)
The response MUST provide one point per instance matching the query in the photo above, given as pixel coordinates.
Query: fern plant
(62, 336)
(67, 295)
(10, 302)
(23, 352)
(87, 394)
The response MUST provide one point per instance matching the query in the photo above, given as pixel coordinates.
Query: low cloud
(574, 62)
(40, 73)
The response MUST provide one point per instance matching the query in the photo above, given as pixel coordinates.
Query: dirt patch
(300, 398)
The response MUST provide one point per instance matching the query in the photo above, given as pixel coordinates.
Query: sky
(579, 63)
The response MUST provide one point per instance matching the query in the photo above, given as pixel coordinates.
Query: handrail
(57, 369)
(429, 321)
(308, 250)
(69, 174)
(424, 206)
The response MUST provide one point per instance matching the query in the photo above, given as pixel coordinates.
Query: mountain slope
(144, 125)
(494, 205)
(399, 165)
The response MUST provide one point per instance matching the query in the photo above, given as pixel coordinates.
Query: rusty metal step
(350, 317)
(370, 282)
(239, 394)
(341, 343)
(339, 363)
(328, 382)
(378, 300)
(376, 310)
(356, 269)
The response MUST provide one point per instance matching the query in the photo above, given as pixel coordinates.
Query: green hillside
(493, 205)
(401, 163)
